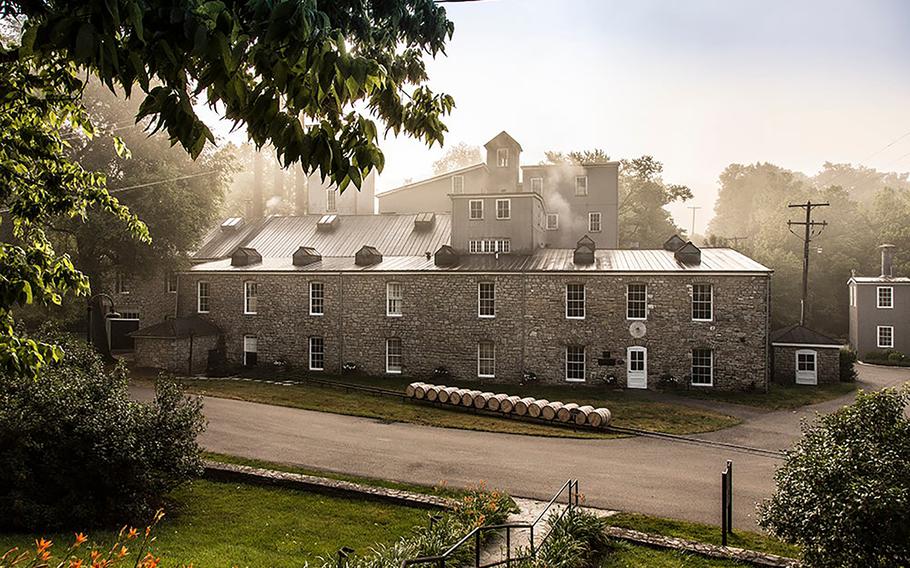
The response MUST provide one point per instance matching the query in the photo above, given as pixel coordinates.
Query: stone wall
(148, 296)
(439, 325)
(174, 354)
(827, 364)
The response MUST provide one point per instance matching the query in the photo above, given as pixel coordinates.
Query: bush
(77, 451)
(847, 366)
(843, 493)
(577, 540)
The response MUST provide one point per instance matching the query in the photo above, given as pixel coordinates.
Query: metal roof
(281, 236)
(713, 260)
(880, 279)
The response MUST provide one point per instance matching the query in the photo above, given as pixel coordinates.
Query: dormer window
(537, 184)
(502, 157)
(458, 184)
(581, 185)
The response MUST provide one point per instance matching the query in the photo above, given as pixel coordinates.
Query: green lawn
(627, 555)
(778, 397)
(230, 524)
(632, 410)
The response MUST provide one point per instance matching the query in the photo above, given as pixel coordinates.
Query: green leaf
(27, 47)
(85, 42)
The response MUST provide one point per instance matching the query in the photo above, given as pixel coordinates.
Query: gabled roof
(798, 334)
(418, 183)
(174, 328)
(502, 137)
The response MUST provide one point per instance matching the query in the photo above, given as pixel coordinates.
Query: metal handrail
(477, 532)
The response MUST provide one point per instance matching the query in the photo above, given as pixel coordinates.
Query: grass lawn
(229, 524)
(778, 397)
(627, 555)
(630, 409)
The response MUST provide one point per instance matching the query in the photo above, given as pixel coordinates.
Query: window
(317, 298)
(702, 300)
(885, 336)
(502, 157)
(172, 283)
(317, 354)
(503, 208)
(575, 301)
(489, 246)
(393, 356)
(202, 297)
(457, 184)
(486, 300)
(594, 222)
(703, 367)
(537, 184)
(885, 297)
(552, 221)
(393, 299)
(122, 284)
(581, 185)
(129, 314)
(475, 209)
(575, 363)
(250, 347)
(805, 361)
(486, 359)
(330, 205)
(250, 294)
(637, 301)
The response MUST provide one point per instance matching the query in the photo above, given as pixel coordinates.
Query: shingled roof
(800, 335)
(174, 328)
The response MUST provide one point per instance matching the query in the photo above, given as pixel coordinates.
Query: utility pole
(811, 229)
(694, 208)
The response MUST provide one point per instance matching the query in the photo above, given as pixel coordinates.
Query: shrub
(480, 507)
(847, 366)
(77, 451)
(895, 357)
(847, 476)
(577, 540)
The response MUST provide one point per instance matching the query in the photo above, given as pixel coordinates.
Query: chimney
(887, 257)
(257, 208)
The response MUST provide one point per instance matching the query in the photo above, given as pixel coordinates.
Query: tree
(460, 155)
(313, 80)
(843, 493)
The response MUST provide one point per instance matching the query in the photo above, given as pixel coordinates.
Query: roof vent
(424, 221)
(688, 254)
(231, 224)
(446, 256)
(584, 251)
(674, 243)
(327, 222)
(306, 255)
(245, 256)
(367, 255)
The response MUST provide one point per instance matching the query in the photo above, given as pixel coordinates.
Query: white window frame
(555, 225)
(502, 157)
(481, 299)
(246, 344)
(595, 215)
(711, 288)
(471, 216)
(643, 300)
(122, 283)
(584, 364)
(172, 283)
(458, 188)
(331, 201)
(311, 352)
(389, 355)
(711, 367)
(247, 296)
(581, 189)
(481, 359)
(878, 336)
(584, 301)
(313, 286)
(200, 296)
(539, 182)
(890, 296)
(499, 209)
(394, 292)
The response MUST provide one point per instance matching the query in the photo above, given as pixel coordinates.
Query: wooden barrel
(521, 407)
(483, 399)
(582, 413)
(433, 392)
(467, 399)
(564, 414)
(548, 412)
(420, 391)
(536, 407)
(455, 397)
(445, 393)
(507, 405)
(411, 388)
(495, 402)
(600, 418)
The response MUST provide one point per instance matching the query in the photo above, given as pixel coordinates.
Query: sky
(698, 84)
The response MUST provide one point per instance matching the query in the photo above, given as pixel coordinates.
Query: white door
(806, 367)
(637, 368)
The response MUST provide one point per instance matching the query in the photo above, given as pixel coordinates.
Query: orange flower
(80, 538)
(123, 551)
(45, 556)
(76, 563)
(95, 555)
(132, 534)
(42, 545)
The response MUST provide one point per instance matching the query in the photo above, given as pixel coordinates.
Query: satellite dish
(637, 329)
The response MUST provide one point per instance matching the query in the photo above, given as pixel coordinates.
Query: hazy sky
(698, 84)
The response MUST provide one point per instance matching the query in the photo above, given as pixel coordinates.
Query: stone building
(803, 356)
(880, 310)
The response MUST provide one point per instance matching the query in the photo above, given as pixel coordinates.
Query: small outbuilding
(179, 345)
(805, 357)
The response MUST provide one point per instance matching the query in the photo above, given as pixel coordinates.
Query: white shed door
(637, 368)
(806, 367)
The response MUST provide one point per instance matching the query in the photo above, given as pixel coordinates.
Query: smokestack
(257, 208)
(887, 256)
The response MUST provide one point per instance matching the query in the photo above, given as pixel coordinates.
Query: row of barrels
(520, 406)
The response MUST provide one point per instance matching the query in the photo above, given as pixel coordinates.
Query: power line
(873, 154)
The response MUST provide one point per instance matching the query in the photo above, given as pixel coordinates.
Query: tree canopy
(460, 155)
(316, 81)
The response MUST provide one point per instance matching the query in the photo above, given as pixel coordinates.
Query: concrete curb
(218, 471)
(703, 549)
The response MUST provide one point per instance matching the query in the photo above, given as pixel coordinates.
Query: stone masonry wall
(440, 326)
(827, 362)
(173, 354)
